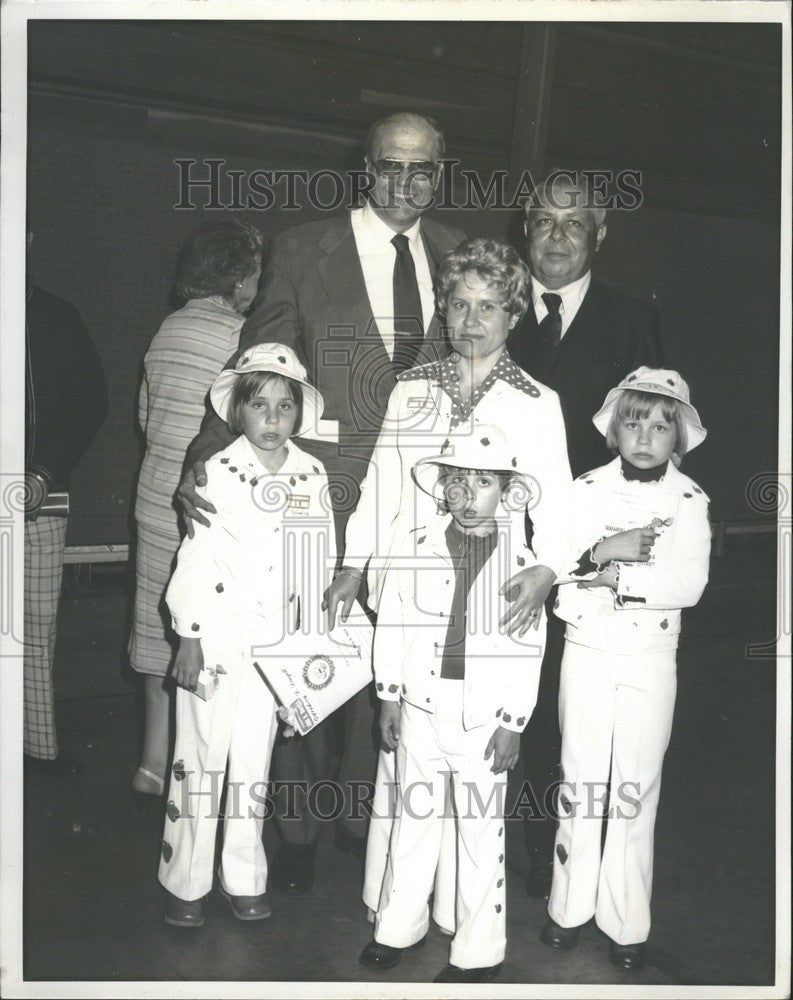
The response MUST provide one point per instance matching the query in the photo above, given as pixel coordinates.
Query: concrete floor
(93, 908)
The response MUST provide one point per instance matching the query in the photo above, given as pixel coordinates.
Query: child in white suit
(456, 692)
(641, 553)
(242, 582)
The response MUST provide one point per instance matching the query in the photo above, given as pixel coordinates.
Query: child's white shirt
(268, 551)
(645, 612)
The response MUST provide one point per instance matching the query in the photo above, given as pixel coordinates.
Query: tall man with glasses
(353, 296)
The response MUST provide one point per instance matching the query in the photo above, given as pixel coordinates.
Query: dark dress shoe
(383, 956)
(454, 974)
(354, 847)
(57, 768)
(538, 881)
(556, 936)
(248, 907)
(628, 956)
(183, 913)
(292, 870)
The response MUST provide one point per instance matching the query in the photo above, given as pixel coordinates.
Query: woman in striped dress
(217, 276)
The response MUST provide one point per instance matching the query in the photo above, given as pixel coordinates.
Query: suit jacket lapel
(341, 274)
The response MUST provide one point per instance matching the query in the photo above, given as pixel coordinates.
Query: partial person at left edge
(65, 404)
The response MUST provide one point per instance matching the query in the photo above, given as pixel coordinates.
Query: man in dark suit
(580, 338)
(353, 296)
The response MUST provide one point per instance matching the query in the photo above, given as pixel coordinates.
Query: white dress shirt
(378, 255)
(572, 296)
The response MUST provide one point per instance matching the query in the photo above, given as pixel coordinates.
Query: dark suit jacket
(610, 336)
(313, 298)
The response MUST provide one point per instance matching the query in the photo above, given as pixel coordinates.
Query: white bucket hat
(482, 446)
(281, 360)
(662, 382)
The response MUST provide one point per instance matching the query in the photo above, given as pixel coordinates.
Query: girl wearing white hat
(241, 583)
(640, 554)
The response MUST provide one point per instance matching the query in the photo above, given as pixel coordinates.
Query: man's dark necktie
(408, 324)
(550, 329)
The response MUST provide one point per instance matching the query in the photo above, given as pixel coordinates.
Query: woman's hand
(390, 713)
(188, 663)
(526, 591)
(192, 502)
(635, 545)
(504, 744)
(343, 590)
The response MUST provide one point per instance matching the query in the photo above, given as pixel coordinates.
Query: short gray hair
(409, 118)
(575, 181)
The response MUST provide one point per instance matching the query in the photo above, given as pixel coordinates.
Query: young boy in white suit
(456, 692)
(640, 553)
(240, 583)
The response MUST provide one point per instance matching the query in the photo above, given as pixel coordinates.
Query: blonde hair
(637, 403)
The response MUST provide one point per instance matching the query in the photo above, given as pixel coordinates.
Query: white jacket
(675, 579)
(502, 672)
(269, 550)
(416, 425)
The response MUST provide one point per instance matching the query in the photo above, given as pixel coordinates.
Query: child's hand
(628, 546)
(188, 663)
(390, 712)
(608, 578)
(288, 716)
(505, 747)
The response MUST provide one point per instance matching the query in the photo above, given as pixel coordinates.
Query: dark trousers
(541, 744)
(328, 773)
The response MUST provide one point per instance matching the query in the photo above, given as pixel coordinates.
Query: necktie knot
(552, 302)
(400, 243)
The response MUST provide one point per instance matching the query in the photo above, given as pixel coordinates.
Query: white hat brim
(313, 403)
(694, 429)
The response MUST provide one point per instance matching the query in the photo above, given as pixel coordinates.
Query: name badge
(419, 403)
(298, 505)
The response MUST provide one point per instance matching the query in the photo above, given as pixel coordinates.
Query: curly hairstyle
(215, 258)
(496, 263)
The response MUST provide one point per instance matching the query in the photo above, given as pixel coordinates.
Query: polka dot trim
(665, 624)
(167, 851)
(195, 627)
(521, 721)
(380, 686)
(224, 461)
(219, 588)
(179, 771)
(393, 688)
(172, 811)
(282, 359)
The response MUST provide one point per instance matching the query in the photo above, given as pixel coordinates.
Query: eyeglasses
(414, 170)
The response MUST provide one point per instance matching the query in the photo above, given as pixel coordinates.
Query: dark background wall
(695, 108)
